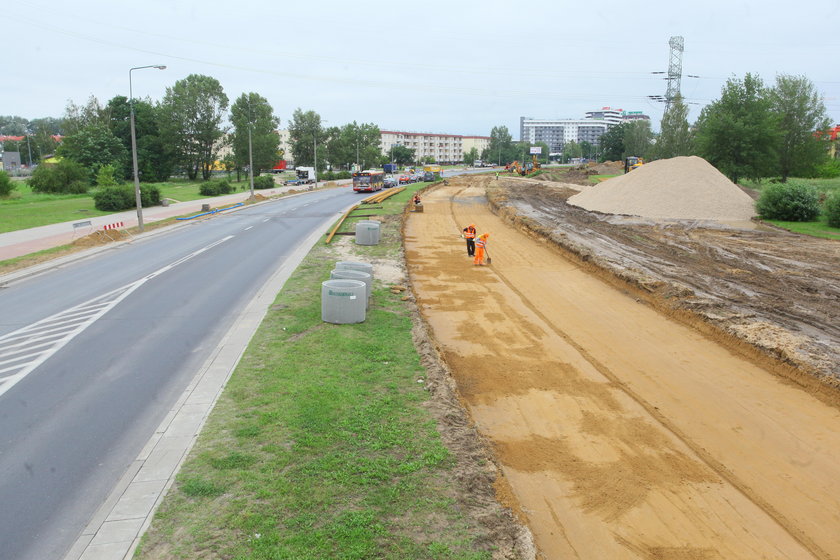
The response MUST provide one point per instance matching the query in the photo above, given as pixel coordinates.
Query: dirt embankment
(775, 290)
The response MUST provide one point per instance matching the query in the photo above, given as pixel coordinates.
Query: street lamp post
(250, 150)
(137, 197)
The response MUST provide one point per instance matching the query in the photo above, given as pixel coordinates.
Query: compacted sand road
(620, 433)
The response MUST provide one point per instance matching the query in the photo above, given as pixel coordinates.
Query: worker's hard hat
(486, 235)
(472, 225)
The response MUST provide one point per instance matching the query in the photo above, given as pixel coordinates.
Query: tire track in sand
(598, 464)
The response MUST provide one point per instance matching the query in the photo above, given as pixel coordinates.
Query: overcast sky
(445, 66)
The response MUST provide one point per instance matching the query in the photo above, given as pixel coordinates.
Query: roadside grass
(25, 209)
(321, 445)
(818, 228)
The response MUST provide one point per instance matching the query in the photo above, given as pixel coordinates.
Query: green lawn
(322, 444)
(24, 209)
(819, 228)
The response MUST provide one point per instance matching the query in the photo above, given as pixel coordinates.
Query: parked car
(390, 182)
(417, 177)
(406, 179)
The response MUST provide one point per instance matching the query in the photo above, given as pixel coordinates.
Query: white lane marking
(265, 220)
(247, 228)
(40, 340)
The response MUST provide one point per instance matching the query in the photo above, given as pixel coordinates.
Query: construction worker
(480, 244)
(469, 235)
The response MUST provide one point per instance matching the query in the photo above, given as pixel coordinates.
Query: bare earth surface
(621, 431)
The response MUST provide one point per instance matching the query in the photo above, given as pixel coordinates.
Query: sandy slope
(621, 433)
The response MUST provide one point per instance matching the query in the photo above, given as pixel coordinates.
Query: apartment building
(444, 148)
(480, 143)
(556, 132)
(616, 116)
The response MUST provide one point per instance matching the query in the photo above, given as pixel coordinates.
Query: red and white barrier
(116, 225)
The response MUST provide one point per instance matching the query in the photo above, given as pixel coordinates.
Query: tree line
(752, 131)
(184, 133)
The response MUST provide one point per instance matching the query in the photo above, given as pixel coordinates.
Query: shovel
(488, 255)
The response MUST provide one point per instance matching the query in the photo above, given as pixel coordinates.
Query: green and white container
(367, 232)
(343, 301)
(348, 274)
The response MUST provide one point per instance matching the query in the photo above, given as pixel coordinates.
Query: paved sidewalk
(23, 242)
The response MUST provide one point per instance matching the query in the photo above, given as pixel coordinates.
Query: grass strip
(321, 445)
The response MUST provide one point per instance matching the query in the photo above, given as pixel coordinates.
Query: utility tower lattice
(674, 70)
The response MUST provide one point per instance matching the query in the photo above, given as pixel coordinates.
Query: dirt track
(620, 433)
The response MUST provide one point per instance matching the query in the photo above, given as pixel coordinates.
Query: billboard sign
(536, 150)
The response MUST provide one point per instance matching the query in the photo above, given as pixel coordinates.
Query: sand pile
(687, 188)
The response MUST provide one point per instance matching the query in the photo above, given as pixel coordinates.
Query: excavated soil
(648, 390)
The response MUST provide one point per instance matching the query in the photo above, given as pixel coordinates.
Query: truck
(305, 176)
(478, 163)
(390, 167)
(279, 167)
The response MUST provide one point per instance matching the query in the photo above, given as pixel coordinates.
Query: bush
(6, 184)
(215, 188)
(106, 176)
(114, 199)
(149, 196)
(832, 209)
(829, 169)
(66, 176)
(122, 197)
(793, 201)
(264, 182)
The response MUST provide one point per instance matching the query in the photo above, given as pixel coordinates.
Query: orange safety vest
(469, 233)
(480, 243)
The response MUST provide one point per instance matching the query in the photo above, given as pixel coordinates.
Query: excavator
(525, 169)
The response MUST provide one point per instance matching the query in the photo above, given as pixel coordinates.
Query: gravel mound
(682, 188)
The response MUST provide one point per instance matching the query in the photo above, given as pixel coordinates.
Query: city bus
(368, 181)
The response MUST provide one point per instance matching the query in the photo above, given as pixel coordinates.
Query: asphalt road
(94, 354)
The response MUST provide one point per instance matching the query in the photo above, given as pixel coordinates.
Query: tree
(675, 138)
(13, 126)
(637, 139)
(304, 132)
(801, 112)
(155, 156)
(356, 143)
(252, 112)
(543, 157)
(588, 150)
(501, 148)
(94, 146)
(471, 155)
(77, 117)
(738, 133)
(611, 143)
(192, 112)
(571, 150)
(402, 155)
